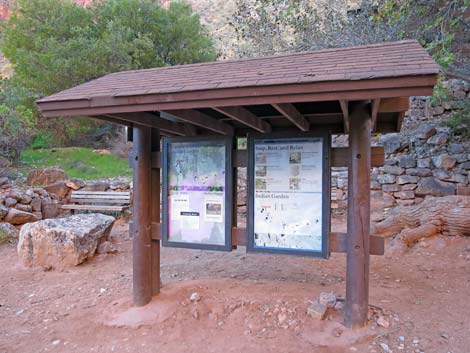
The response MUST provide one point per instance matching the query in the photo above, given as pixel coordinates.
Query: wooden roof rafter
(375, 105)
(202, 120)
(345, 110)
(245, 117)
(154, 121)
(292, 114)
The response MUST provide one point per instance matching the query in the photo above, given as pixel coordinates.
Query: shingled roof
(396, 69)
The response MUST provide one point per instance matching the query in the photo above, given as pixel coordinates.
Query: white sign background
(288, 181)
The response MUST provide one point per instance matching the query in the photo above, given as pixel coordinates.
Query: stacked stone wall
(424, 159)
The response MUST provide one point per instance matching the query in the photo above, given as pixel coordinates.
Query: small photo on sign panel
(260, 158)
(261, 170)
(295, 157)
(260, 184)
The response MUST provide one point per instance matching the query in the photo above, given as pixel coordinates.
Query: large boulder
(63, 242)
(18, 217)
(46, 176)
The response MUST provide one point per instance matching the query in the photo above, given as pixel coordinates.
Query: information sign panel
(289, 194)
(197, 186)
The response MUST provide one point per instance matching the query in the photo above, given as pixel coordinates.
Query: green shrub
(16, 126)
(42, 140)
(459, 122)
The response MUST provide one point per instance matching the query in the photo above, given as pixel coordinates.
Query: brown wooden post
(234, 192)
(155, 214)
(141, 244)
(357, 271)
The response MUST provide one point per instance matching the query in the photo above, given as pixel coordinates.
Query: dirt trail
(249, 303)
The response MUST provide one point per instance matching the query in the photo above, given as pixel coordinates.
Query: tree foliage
(56, 44)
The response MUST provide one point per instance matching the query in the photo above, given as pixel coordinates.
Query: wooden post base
(358, 242)
(141, 241)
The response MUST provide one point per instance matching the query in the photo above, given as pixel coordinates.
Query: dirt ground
(249, 303)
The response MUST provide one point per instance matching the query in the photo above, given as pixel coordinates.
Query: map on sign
(288, 194)
(196, 192)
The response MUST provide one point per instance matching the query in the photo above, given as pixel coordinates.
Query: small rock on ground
(195, 297)
(328, 299)
(317, 310)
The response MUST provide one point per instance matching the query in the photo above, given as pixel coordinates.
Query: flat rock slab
(63, 242)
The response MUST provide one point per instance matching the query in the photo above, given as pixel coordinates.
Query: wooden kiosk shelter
(353, 90)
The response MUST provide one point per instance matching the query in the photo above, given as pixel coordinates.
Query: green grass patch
(77, 162)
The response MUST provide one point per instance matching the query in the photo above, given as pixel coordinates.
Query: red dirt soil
(249, 303)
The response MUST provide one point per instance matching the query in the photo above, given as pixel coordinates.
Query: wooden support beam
(290, 112)
(202, 120)
(246, 117)
(130, 134)
(153, 121)
(339, 157)
(374, 113)
(240, 159)
(358, 246)
(141, 235)
(155, 214)
(111, 120)
(338, 241)
(345, 109)
(401, 117)
(392, 105)
(234, 197)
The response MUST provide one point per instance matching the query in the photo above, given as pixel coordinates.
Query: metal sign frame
(253, 139)
(227, 142)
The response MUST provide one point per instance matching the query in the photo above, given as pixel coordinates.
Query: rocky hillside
(217, 14)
